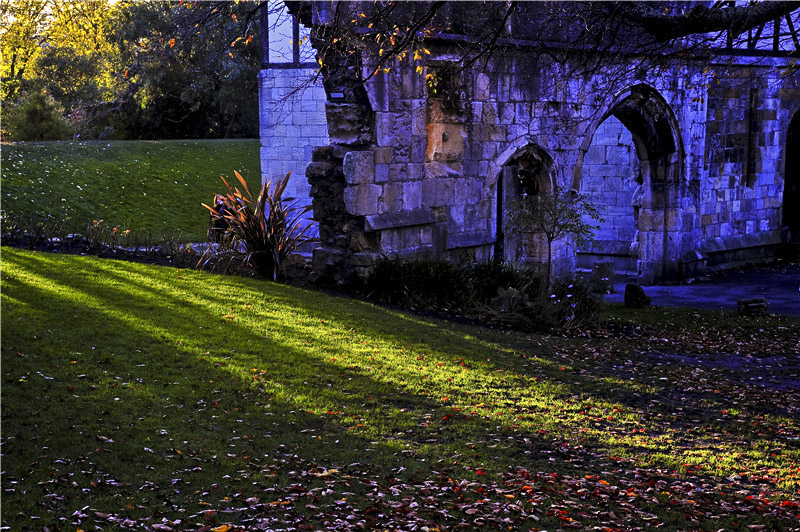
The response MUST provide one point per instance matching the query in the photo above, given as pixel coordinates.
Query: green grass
(134, 185)
(192, 400)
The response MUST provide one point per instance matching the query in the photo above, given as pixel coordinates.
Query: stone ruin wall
(292, 122)
(742, 178)
(611, 177)
(410, 173)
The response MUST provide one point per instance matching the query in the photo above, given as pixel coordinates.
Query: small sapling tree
(556, 215)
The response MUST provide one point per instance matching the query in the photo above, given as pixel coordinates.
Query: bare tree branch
(736, 19)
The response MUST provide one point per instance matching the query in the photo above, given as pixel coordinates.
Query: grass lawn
(137, 396)
(136, 185)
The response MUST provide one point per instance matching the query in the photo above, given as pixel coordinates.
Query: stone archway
(526, 173)
(612, 178)
(791, 180)
(656, 142)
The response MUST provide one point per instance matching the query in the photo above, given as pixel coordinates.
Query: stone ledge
(391, 220)
(733, 242)
(468, 240)
(607, 247)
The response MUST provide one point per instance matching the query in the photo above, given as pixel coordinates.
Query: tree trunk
(549, 261)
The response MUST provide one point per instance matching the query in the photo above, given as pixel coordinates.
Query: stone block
(482, 87)
(398, 172)
(390, 240)
(506, 112)
(404, 218)
(393, 197)
(362, 200)
(381, 173)
(468, 239)
(383, 155)
(455, 217)
(752, 307)
(378, 92)
(418, 120)
(468, 191)
(419, 145)
(416, 171)
(619, 155)
(438, 192)
(595, 155)
(384, 128)
(412, 195)
(635, 296)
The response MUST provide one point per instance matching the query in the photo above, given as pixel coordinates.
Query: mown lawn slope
(137, 185)
(164, 399)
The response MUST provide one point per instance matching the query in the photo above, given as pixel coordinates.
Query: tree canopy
(153, 69)
(176, 68)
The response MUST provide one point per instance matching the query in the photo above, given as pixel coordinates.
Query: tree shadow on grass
(166, 327)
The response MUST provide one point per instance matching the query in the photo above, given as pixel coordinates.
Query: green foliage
(556, 215)
(187, 70)
(441, 285)
(569, 304)
(71, 77)
(38, 118)
(141, 186)
(263, 226)
(497, 292)
(487, 277)
(576, 303)
(427, 284)
(58, 46)
(131, 70)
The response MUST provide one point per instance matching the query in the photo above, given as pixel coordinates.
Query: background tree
(153, 69)
(190, 70)
(39, 118)
(560, 214)
(56, 47)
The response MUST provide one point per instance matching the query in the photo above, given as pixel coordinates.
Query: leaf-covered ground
(147, 398)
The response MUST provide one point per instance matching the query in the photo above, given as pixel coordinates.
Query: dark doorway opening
(791, 180)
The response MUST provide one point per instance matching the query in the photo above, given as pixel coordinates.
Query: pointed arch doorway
(526, 173)
(791, 180)
(654, 183)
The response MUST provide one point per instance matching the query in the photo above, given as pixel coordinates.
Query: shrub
(38, 118)
(486, 278)
(428, 284)
(263, 228)
(575, 303)
(496, 292)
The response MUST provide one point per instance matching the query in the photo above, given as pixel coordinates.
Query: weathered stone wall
(611, 168)
(684, 160)
(742, 189)
(293, 122)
